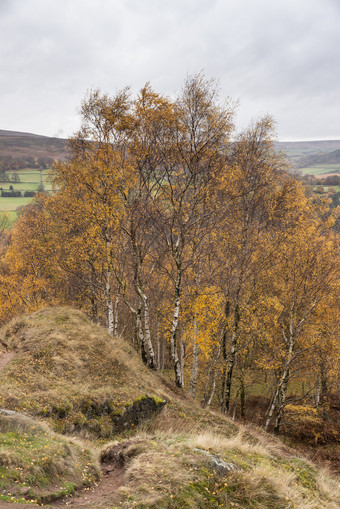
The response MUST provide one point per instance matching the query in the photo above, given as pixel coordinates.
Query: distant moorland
(25, 150)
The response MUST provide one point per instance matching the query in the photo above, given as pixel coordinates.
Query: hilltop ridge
(20, 145)
(21, 150)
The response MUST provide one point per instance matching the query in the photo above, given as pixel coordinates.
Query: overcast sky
(280, 57)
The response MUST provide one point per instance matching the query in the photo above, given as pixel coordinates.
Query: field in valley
(29, 180)
(323, 170)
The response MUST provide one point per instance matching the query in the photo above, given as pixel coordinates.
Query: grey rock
(7, 412)
(12, 413)
(220, 466)
(25, 490)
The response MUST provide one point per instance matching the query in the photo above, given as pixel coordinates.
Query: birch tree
(306, 277)
(183, 153)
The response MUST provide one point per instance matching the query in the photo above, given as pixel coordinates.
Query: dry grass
(57, 349)
(71, 372)
(167, 472)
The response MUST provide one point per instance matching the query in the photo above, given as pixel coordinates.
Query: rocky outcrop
(141, 409)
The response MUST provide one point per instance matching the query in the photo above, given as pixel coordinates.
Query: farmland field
(320, 169)
(11, 204)
(30, 179)
(327, 188)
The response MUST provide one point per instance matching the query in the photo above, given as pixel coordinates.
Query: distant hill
(316, 159)
(308, 147)
(303, 154)
(25, 150)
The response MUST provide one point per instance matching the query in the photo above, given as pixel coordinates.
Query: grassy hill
(298, 149)
(83, 416)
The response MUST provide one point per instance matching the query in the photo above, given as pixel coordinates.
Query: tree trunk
(141, 336)
(224, 353)
(182, 359)
(321, 397)
(210, 384)
(279, 398)
(232, 358)
(282, 402)
(174, 328)
(163, 348)
(230, 369)
(94, 308)
(272, 407)
(115, 328)
(152, 361)
(195, 355)
(109, 305)
(242, 395)
(138, 285)
(158, 343)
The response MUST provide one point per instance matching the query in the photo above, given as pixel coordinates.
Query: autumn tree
(257, 208)
(96, 182)
(306, 276)
(164, 215)
(181, 153)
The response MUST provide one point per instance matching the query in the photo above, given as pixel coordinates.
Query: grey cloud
(279, 57)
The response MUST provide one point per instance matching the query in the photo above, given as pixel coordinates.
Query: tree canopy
(191, 240)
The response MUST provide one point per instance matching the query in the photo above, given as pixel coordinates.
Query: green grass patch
(29, 181)
(11, 204)
(320, 169)
(38, 465)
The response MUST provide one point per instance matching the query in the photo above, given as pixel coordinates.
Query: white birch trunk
(281, 388)
(195, 355)
(109, 304)
(232, 358)
(174, 328)
(152, 361)
(141, 336)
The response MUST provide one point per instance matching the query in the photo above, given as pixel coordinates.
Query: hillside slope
(315, 159)
(167, 453)
(72, 373)
(18, 146)
(302, 154)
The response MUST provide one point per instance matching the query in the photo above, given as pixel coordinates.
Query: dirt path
(112, 478)
(4, 360)
(95, 496)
